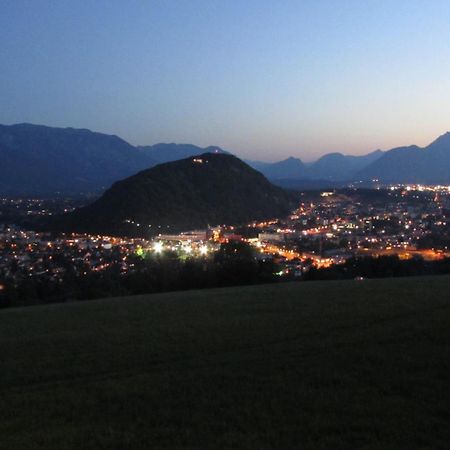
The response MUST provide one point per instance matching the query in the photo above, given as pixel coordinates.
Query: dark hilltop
(195, 192)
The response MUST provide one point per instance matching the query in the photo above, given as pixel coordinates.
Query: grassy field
(318, 365)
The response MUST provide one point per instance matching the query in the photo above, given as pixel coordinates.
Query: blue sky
(265, 79)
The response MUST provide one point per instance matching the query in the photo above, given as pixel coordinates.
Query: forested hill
(190, 193)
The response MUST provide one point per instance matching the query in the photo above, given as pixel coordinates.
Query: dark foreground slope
(304, 365)
(194, 192)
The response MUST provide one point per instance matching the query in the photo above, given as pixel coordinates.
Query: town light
(203, 250)
(158, 247)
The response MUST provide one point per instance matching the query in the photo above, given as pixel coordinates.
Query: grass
(318, 365)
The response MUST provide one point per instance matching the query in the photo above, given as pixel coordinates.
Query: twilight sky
(264, 79)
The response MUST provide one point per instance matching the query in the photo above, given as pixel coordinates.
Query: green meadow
(317, 365)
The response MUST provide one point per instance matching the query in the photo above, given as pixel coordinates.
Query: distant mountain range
(288, 168)
(412, 164)
(339, 167)
(40, 160)
(43, 160)
(334, 167)
(212, 189)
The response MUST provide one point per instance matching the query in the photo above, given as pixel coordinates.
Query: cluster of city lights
(158, 247)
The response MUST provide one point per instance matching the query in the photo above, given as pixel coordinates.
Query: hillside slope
(313, 365)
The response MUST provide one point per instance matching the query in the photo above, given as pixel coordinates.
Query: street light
(158, 247)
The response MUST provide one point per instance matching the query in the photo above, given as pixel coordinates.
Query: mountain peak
(293, 159)
(215, 149)
(442, 140)
(331, 156)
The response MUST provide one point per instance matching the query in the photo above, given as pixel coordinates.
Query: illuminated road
(273, 249)
(428, 254)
